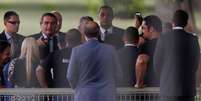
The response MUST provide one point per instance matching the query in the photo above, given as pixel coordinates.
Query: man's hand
(42, 42)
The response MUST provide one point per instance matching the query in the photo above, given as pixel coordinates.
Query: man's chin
(50, 33)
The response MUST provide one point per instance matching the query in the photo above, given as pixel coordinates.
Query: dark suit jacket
(115, 38)
(59, 61)
(128, 56)
(176, 60)
(17, 41)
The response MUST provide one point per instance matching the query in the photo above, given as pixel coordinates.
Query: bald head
(59, 19)
(91, 29)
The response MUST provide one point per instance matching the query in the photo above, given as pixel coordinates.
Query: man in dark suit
(109, 34)
(11, 23)
(128, 56)
(176, 61)
(47, 39)
(48, 43)
(94, 68)
(61, 59)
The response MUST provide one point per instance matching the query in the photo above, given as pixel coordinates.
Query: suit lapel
(3, 36)
(55, 42)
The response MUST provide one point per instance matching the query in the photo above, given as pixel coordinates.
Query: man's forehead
(48, 18)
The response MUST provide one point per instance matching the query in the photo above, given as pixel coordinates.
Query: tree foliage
(93, 5)
(122, 8)
(125, 8)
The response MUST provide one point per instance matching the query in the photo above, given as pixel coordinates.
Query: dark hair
(73, 35)
(48, 14)
(88, 18)
(106, 7)
(139, 17)
(154, 21)
(3, 45)
(180, 18)
(91, 31)
(131, 34)
(8, 14)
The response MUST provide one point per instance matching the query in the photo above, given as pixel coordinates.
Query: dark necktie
(105, 34)
(51, 44)
(12, 43)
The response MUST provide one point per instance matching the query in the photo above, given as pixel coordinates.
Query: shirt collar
(181, 28)
(129, 45)
(109, 30)
(88, 39)
(8, 35)
(178, 27)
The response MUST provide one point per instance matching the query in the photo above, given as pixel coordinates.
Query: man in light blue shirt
(94, 68)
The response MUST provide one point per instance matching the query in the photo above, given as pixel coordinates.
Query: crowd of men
(95, 58)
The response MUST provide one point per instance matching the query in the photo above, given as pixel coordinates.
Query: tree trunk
(166, 8)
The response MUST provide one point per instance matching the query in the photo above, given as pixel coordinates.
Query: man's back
(178, 64)
(128, 56)
(96, 66)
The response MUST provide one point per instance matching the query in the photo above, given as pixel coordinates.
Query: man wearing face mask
(11, 23)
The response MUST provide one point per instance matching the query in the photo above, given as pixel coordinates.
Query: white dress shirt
(103, 34)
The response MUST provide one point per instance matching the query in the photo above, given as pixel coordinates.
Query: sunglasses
(14, 22)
